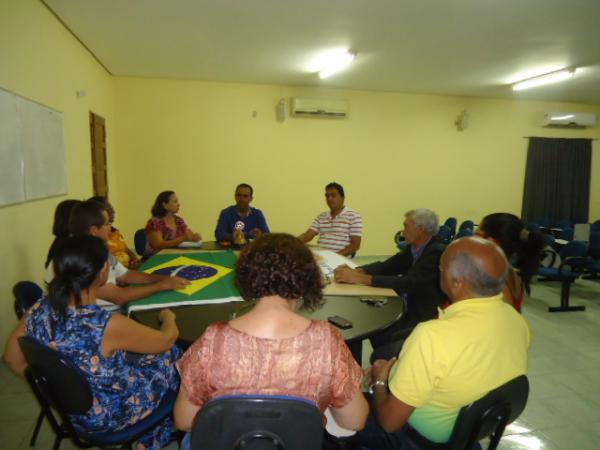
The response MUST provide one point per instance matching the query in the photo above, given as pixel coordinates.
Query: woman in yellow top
(116, 241)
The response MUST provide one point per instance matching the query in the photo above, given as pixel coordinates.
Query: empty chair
(258, 422)
(464, 233)
(451, 224)
(543, 222)
(566, 234)
(26, 294)
(467, 224)
(596, 226)
(62, 390)
(139, 241)
(573, 263)
(444, 234)
(564, 223)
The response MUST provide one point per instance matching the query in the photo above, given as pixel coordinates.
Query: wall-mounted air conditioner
(569, 119)
(309, 107)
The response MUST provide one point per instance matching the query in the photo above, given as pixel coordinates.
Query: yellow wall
(40, 60)
(394, 152)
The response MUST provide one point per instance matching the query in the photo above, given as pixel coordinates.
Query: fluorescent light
(552, 77)
(331, 62)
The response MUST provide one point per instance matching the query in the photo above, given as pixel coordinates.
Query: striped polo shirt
(334, 234)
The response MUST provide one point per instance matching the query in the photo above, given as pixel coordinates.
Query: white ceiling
(455, 47)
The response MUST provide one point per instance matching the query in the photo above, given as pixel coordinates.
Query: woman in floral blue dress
(68, 320)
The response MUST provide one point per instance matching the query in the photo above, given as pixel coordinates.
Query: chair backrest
(573, 249)
(467, 224)
(489, 415)
(451, 224)
(464, 233)
(26, 294)
(594, 245)
(566, 234)
(54, 379)
(256, 422)
(139, 241)
(444, 234)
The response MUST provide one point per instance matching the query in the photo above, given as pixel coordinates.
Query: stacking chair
(139, 241)
(464, 233)
(467, 224)
(257, 422)
(573, 264)
(62, 390)
(564, 224)
(451, 224)
(486, 417)
(445, 234)
(26, 294)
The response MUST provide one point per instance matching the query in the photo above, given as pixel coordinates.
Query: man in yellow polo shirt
(477, 344)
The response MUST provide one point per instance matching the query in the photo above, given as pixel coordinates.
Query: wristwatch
(376, 383)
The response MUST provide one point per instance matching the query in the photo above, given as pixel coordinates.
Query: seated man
(413, 274)
(477, 344)
(91, 217)
(241, 218)
(340, 229)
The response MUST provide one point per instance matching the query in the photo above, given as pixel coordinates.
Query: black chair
(572, 266)
(26, 294)
(486, 417)
(62, 390)
(139, 241)
(257, 422)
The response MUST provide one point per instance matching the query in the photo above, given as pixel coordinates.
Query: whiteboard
(32, 150)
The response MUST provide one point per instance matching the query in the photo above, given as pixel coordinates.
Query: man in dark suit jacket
(413, 273)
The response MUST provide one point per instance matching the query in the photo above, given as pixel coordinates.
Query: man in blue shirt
(241, 218)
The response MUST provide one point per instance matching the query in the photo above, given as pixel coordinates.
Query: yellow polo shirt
(473, 347)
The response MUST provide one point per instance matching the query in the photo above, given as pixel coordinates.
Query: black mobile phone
(340, 322)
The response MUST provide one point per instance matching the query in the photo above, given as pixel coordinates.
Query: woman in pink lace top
(273, 350)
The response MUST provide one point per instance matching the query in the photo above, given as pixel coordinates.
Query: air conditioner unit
(308, 107)
(569, 119)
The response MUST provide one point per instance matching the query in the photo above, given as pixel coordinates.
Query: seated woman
(69, 321)
(166, 229)
(116, 241)
(60, 228)
(522, 248)
(272, 349)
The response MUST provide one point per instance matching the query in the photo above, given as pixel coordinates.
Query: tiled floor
(563, 412)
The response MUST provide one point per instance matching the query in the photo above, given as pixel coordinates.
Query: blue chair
(532, 227)
(464, 233)
(543, 222)
(451, 223)
(26, 294)
(258, 422)
(139, 241)
(593, 265)
(444, 234)
(62, 390)
(564, 224)
(566, 234)
(467, 224)
(573, 264)
(595, 226)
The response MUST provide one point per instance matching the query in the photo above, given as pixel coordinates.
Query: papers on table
(329, 260)
(190, 244)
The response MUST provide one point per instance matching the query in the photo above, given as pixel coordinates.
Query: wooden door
(99, 170)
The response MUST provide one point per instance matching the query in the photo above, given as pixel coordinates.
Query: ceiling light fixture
(331, 62)
(552, 77)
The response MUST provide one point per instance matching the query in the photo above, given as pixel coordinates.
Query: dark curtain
(557, 180)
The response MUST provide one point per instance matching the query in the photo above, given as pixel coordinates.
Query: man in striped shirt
(340, 229)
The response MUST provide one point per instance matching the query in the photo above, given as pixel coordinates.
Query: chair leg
(57, 442)
(564, 300)
(36, 430)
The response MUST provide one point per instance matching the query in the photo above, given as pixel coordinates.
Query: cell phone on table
(340, 322)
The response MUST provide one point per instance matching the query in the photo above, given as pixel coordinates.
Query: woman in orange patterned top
(116, 241)
(272, 349)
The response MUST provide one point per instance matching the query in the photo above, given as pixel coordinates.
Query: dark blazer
(420, 282)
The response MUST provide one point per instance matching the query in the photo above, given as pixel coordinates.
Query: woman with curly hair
(272, 349)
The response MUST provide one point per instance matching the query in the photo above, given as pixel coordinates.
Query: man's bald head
(473, 267)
